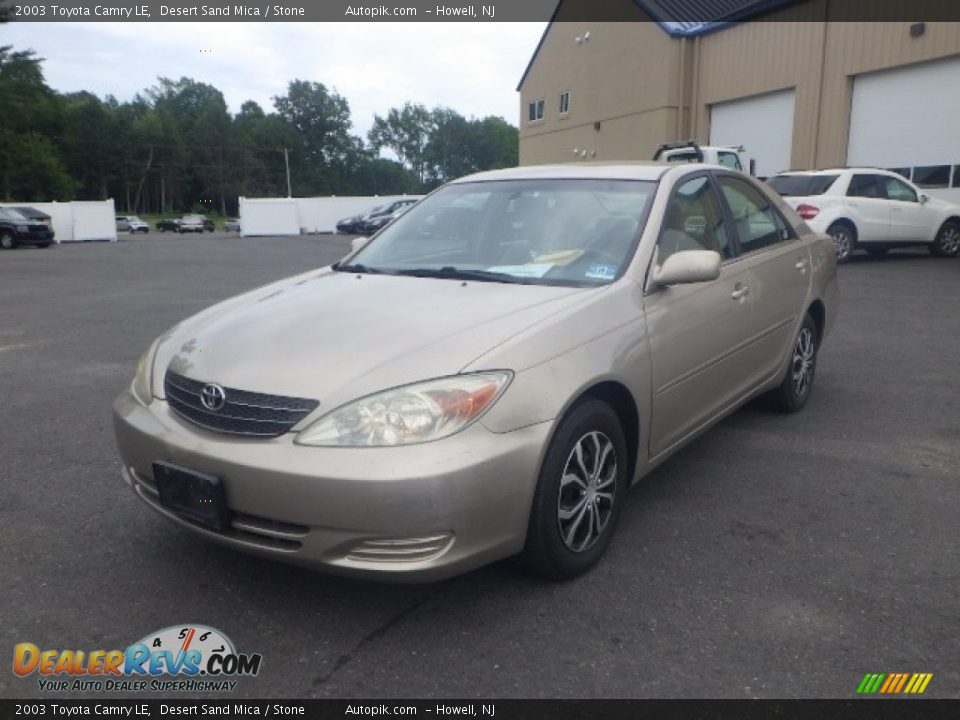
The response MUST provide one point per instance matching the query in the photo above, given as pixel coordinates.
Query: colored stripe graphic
(894, 683)
(871, 683)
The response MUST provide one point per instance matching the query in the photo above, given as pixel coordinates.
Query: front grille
(243, 412)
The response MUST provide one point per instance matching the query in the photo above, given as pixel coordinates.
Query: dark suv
(17, 229)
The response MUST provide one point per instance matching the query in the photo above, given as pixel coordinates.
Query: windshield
(11, 214)
(801, 185)
(551, 232)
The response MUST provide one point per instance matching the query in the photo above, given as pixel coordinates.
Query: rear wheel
(794, 391)
(947, 242)
(579, 495)
(6, 240)
(843, 240)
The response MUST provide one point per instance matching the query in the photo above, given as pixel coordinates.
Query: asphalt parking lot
(777, 556)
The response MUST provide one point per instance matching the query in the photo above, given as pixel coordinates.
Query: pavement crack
(374, 634)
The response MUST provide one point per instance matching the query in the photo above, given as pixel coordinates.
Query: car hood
(337, 336)
(940, 205)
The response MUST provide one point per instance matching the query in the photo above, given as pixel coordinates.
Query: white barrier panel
(268, 216)
(94, 221)
(78, 220)
(271, 216)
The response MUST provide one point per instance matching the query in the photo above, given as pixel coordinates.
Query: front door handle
(740, 291)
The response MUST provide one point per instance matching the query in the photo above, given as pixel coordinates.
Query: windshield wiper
(453, 273)
(357, 268)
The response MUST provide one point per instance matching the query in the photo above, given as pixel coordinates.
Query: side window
(535, 110)
(730, 160)
(866, 186)
(758, 225)
(899, 190)
(693, 221)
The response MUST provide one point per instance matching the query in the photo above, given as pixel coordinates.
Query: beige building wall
(644, 87)
(856, 48)
(624, 77)
(780, 53)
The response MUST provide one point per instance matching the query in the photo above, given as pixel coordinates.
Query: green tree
(406, 132)
(30, 117)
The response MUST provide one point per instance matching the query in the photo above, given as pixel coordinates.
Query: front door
(699, 333)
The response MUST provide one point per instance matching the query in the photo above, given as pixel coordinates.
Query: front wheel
(579, 495)
(6, 241)
(843, 240)
(947, 242)
(794, 391)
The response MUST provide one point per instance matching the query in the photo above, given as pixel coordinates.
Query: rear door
(779, 266)
(867, 199)
(699, 333)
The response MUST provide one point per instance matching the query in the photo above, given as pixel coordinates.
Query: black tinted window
(866, 186)
(801, 185)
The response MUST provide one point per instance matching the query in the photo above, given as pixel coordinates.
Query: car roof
(641, 170)
(837, 171)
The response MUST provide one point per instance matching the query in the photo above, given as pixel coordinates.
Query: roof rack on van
(678, 145)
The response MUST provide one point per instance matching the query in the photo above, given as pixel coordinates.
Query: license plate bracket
(194, 496)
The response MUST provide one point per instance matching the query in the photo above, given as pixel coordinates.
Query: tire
(7, 241)
(947, 242)
(797, 384)
(844, 238)
(562, 541)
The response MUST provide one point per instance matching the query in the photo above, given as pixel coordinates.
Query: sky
(473, 68)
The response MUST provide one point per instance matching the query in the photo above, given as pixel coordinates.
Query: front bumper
(416, 513)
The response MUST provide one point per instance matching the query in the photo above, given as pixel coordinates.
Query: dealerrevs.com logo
(180, 658)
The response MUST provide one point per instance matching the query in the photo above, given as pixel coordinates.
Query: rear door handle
(740, 291)
(801, 266)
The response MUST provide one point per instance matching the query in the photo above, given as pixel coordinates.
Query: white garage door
(908, 118)
(763, 124)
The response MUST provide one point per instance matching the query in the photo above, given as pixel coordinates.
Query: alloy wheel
(843, 242)
(588, 487)
(803, 359)
(950, 240)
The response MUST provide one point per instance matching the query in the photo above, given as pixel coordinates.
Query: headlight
(142, 385)
(411, 414)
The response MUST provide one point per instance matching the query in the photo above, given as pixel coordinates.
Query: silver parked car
(487, 376)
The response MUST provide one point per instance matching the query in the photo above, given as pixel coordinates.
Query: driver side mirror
(924, 198)
(688, 266)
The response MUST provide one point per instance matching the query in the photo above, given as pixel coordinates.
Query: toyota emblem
(213, 397)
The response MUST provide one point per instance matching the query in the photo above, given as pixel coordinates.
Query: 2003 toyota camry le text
(487, 376)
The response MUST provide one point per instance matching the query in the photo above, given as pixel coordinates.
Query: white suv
(869, 208)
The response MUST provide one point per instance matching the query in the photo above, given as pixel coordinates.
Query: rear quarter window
(801, 185)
